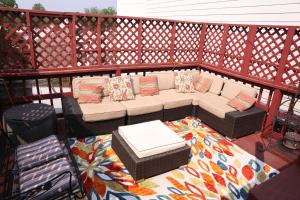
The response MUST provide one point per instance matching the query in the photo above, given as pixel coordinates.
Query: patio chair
(42, 170)
(54, 180)
(37, 153)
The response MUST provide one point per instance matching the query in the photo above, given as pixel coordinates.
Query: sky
(67, 5)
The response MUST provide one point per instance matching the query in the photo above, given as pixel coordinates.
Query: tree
(8, 3)
(38, 6)
(109, 11)
(104, 11)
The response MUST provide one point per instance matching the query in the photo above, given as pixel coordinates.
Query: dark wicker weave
(141, 168)
(80, 128)
(235, 124)
(32, 121)
(177, 113)
(145, 117)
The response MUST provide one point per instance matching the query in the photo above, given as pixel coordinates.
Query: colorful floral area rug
(218, 169)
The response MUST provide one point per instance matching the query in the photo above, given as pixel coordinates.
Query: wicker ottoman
(141, 168)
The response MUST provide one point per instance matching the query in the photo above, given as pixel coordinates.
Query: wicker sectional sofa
(211, 107)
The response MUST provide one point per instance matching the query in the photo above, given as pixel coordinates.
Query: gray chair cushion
(38, 153)
(38, 176)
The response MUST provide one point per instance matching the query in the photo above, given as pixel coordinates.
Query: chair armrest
(73, 118)
(70, 106)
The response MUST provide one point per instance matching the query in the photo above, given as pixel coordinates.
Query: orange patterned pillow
(89, 93)
(202, 84)
(148, 85)
(120, 88)
(242, 102)
(184, 83)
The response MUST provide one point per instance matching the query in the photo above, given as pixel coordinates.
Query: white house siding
(277, 12)
(135, 8)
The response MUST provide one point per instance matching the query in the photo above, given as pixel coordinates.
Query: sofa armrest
(70, 106)
(250, 112)
(73, 117)
(246, 122)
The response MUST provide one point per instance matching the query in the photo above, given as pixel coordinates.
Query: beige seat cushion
(232, 89)
(166, 80)
(215, 104)
(142, 105)
(217, 83)
(105, 110)
(172, 99)
(101, 80)
(196, 96)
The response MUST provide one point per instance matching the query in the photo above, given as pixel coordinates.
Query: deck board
(277, 156)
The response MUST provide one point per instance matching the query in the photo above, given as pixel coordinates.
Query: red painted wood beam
(248, 50)
(277, 97)
(223, 46)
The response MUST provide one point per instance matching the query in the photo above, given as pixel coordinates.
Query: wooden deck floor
(277, 155)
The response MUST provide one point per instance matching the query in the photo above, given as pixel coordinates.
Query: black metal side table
(32, 121)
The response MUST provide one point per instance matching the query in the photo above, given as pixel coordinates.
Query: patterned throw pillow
(242, 102)
(184, 83)
(89, 93)
(202, 84)
(120, 88)
(149, 85)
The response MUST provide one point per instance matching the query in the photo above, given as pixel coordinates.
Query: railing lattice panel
(37, 41)
(156, 41)
(235, 47)
(86, 41)
(119, 40)
(213, 44)
(52, 41)
(187, 41)
(14, 41)
(291, 75)
(267, 50)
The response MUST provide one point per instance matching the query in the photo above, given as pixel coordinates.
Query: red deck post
(202, 42)
(28, 24)
(248, 50)
(140, 27)
(99, 58)
(73, 43)
(277, 97)
(223, 45)
(173, 31)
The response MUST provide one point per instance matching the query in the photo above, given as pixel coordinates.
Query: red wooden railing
(39, 45)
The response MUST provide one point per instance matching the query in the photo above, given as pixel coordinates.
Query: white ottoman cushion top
(150, 138)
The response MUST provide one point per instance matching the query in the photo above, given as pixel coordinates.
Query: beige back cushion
(166, 80)
(194, 73)
(232, 88)
(135, 80)
(96, 79)
(217, 83)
